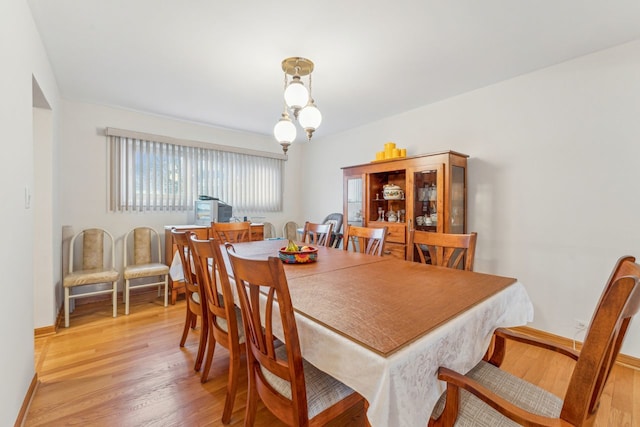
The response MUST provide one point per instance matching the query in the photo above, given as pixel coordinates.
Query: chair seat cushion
(323, 390)
(145, 270)
(88, 277)
(474, 412)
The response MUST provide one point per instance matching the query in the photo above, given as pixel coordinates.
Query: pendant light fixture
(299, 100)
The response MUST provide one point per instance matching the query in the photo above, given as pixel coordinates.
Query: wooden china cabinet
(433, 197)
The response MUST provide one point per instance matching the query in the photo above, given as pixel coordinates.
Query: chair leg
(115, 299)
(187, 324)
(204, 333)
(126, 296)
(211, 348)
(66, 307)
(232, 387)
(166, 291)
(252, 399)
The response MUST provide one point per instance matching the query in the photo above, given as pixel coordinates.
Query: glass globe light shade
(296, 94)
(310, 117)
(284, 130)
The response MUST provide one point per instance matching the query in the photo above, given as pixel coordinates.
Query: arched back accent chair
(142, 255)
(96, 266)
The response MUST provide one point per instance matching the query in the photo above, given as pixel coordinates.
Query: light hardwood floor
(130, 371)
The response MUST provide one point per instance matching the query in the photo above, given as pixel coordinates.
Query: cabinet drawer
(396, 233)
(257, 232)
(395, 250)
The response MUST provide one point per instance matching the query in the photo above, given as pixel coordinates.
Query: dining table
(383, 325)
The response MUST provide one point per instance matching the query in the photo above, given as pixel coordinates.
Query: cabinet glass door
(458, 211)
(428, 199)
(354, 200)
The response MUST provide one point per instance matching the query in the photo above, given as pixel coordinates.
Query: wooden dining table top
(381, 303)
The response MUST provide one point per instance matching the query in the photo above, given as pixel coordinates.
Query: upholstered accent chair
(290, 230)
(143, 265)
(95, 265)
(269, 230)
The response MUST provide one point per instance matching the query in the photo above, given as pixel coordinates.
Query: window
(155, 173)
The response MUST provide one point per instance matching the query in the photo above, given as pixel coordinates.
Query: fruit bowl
(303, 255)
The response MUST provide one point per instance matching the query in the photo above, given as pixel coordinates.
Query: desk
(383, 326)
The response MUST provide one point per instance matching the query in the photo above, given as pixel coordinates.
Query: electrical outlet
(579, 324)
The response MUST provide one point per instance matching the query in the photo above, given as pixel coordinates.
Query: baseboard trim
(623, 359)
(27, 401)
(45, 331)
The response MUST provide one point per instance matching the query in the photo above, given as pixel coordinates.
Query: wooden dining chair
(224, 317)
(232, 232)
(291, 388)
(493, 395)
(367, 240)
(193, 295)
(445, 250)
(317, 234)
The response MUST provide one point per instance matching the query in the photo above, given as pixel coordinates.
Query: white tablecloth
(403, 388)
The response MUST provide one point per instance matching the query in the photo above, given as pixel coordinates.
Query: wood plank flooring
(130, 371)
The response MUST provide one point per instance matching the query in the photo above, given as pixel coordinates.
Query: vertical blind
(151, 175)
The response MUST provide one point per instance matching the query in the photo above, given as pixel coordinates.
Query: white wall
(84, 165)
(44, 196)
(553, 175)
(23, 58)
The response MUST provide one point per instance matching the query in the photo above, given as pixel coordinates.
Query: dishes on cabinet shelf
(392, 192)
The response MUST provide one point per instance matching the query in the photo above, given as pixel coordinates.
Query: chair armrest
(496, 355)
(456, 381)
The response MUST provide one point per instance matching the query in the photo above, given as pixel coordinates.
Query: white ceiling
(218, 62)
